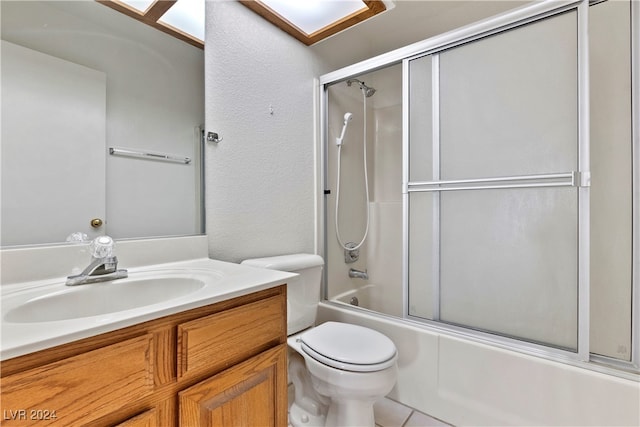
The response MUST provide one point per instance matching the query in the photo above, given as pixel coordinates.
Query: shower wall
(381, 254)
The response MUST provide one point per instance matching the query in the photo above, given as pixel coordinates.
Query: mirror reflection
(81, 81)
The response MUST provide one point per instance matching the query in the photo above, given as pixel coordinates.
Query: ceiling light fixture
(183, 19)
(313, 20)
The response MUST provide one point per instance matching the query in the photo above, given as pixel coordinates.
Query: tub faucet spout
(357, 274)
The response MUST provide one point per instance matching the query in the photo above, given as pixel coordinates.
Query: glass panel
(612, 177)
(382, 252)
(423, 246)
(311, 16)
(496, 118)
(420, 118)
(187, 16)
(509, 263)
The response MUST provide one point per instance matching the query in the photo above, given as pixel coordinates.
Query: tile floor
(389, 413)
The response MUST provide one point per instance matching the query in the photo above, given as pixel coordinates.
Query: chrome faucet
(103, 266)
(357, 274)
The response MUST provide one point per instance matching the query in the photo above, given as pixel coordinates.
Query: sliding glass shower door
(496, 184)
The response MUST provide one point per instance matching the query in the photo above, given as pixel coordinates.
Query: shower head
(347, 118)
(366, 90)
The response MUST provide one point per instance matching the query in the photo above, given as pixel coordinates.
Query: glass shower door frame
(528, 13)
(578, 179)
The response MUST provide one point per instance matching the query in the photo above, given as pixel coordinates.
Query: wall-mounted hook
(213, 137)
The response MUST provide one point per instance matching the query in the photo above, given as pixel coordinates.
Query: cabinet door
(146, 419)
(215, 342)
(252, 393)
(80, 389)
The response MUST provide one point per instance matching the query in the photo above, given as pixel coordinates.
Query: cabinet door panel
(218, 341)
(82, 388)
(146, 419)
(252, 393)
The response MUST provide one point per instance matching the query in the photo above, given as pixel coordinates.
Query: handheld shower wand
(347, 118)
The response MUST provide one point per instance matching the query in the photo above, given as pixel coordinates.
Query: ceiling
(408, 22)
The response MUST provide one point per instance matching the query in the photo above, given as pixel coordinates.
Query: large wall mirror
(101, 126)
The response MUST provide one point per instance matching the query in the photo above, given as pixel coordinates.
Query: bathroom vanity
(89, 355)
(225, 362)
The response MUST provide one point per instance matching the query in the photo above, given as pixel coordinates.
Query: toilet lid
(349, 347)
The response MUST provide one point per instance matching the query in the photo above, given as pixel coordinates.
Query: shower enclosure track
(568, 179)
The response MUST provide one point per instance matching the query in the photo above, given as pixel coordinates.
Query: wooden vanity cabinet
(224, 364)
(244, 395)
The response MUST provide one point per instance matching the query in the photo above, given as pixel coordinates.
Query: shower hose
(366, 183)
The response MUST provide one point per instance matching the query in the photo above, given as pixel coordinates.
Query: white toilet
(338, 370)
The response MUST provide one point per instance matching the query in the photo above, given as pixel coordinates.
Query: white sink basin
(42, 314)
(102, 298)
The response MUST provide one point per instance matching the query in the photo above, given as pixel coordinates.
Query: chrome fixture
(213, 137)
(351, 255)
(357, 274)
(148, 155)
(366, 90)
(103, 266)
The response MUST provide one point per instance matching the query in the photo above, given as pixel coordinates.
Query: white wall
(260, 181)
(260, 189)
(384, 255)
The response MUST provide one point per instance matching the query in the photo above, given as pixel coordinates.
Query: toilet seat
(349, 347)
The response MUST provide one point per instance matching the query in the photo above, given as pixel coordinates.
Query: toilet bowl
(351, 366)
(338, 370)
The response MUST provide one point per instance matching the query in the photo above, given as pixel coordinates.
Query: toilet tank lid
(293, 262)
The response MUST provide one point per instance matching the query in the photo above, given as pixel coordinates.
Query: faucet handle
(77, 237)
(102, 247)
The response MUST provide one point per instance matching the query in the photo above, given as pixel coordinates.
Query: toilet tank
(303, 291)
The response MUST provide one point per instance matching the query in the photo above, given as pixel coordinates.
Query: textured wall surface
(260, 197)
(260, 181)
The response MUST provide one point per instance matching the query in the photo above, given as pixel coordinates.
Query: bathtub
(466, 382)
(372, 297)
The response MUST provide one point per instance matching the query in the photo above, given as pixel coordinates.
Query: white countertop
(223, 281)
